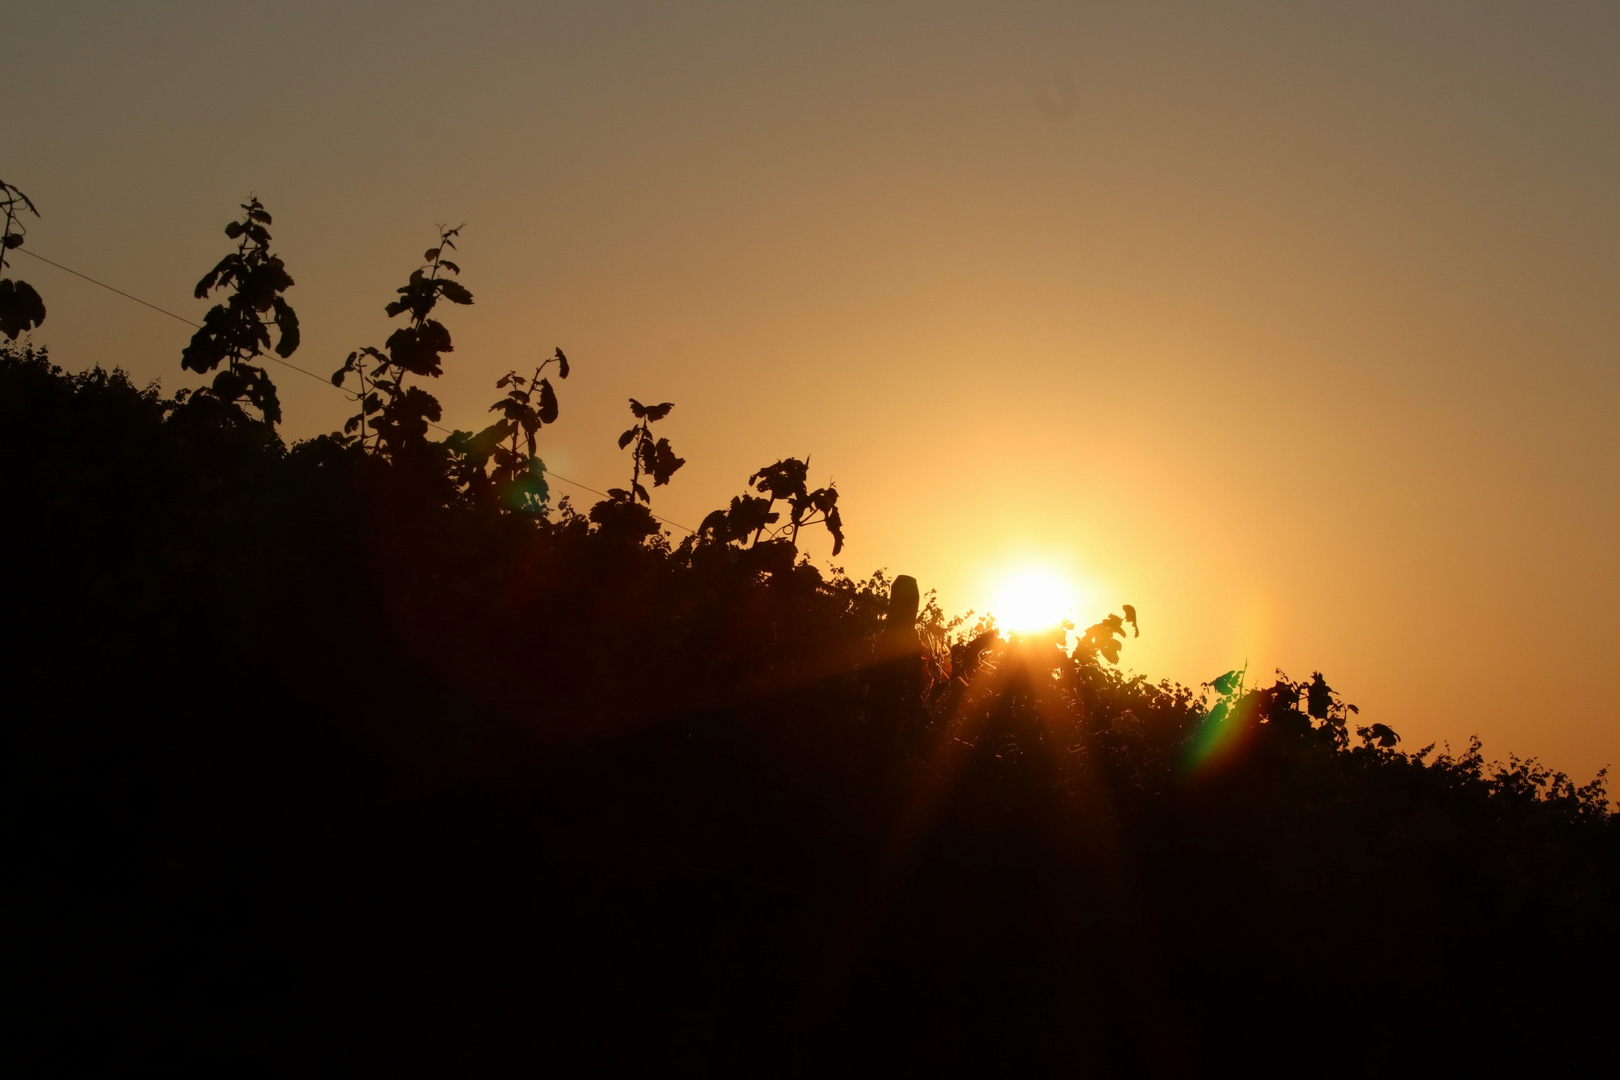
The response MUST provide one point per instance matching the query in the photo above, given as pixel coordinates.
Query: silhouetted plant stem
(20, 306)
(237, 331)
(648, 456)
(404, 413)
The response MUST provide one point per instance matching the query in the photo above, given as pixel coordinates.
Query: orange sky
(1296, 329)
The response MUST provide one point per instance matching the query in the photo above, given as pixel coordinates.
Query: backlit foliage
(362, 753)
(751, 519)
(21, 308)
(394, 417)
(237, 332)
(648, 456)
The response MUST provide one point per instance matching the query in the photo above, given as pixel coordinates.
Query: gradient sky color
(1296, 326)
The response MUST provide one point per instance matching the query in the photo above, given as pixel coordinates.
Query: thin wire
(323, 381)
(109, 288)
(182, 318)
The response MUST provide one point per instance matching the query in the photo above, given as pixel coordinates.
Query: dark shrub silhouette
(324, 759)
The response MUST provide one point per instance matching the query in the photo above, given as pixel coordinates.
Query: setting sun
(1033, 598)
(960, 537)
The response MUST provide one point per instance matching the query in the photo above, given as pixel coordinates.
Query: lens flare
(1033, 598)
(1220, 737)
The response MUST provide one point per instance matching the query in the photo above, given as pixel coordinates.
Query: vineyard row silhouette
(364, 752)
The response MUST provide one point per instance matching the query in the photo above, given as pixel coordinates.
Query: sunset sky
(1295, 326)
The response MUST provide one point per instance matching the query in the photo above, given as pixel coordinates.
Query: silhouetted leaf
(784, 479)
(562, 364)
(1318, 697)
(348, 366)
(207, 282)
(417, 348)
(748, 515)
(714, 524)
(287, 324)
(548, 403)
(664, 463)
(21, 308)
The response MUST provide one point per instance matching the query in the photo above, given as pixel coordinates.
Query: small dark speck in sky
(1058, 99)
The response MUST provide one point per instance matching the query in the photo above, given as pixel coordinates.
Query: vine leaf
(21, 308)
(548, 403)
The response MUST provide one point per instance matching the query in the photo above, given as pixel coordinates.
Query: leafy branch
(393, 417)
(529, 405)
(748, 518)
(519, 476)
(648, 457)
(1099, 640)
(238, 331)
(1280, 704)
(20, 306)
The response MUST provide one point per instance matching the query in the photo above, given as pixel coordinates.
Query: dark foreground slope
(308, 768)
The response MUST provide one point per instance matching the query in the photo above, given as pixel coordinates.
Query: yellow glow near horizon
(1032, 598)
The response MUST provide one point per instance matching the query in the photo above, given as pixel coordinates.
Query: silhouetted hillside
(324, 759)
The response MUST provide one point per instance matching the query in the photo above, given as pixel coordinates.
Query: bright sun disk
(1033, 598)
